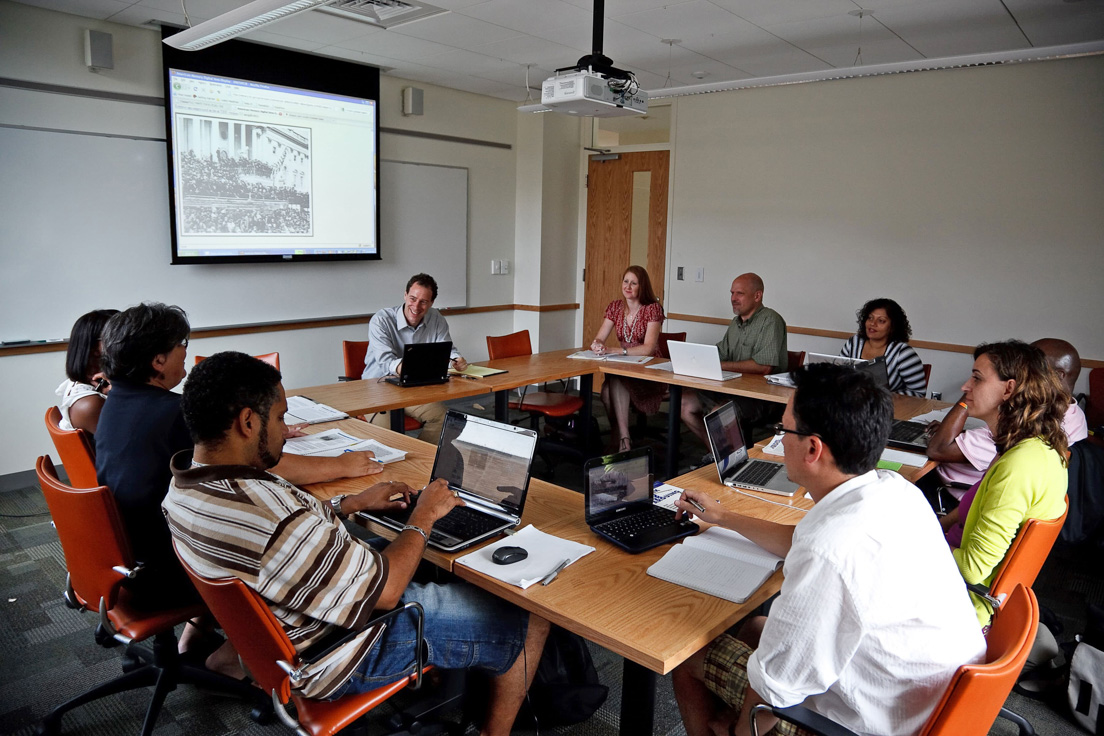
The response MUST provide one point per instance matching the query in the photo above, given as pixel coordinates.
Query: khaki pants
(432, 417)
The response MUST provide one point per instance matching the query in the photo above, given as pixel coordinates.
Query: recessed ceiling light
(699, 75)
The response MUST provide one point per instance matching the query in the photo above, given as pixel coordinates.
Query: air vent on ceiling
(381, 13)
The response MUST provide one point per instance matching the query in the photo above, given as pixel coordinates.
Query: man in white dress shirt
(873, 618)
(415, 321)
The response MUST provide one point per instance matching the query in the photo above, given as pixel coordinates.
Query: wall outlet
(504, 267)
(678, 275)
(700, 276)
(495, 268)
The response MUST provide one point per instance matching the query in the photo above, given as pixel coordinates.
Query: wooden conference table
(607, 596)
(368, 396)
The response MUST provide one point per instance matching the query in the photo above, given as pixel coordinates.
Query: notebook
(726, 440)
(488, 463)
(618, 504)
(699, 361)
(719, 562)
(424, 364)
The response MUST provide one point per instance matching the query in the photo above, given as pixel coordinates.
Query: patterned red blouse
(631, 332)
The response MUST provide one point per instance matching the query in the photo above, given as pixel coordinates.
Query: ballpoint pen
(552, 575)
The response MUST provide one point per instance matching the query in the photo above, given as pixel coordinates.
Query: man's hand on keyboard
(435, 501)
(385, 496)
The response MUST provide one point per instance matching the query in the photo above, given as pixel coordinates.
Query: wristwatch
(335, 504)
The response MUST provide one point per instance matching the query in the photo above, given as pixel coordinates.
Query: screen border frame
(276, 66)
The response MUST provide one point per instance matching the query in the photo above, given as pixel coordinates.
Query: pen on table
(373, 459)
(552, 575)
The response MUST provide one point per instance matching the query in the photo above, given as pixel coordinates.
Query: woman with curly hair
(1015, 392)
(884, 331)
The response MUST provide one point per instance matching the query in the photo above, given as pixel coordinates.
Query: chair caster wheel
(261, 714)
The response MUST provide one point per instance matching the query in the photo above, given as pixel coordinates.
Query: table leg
(638, 684)
(502, 406)
(674, 425)
(586, 392)
(398, 421)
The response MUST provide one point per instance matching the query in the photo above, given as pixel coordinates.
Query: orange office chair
(75, 449)
(536, 403)
(98, 560)
(976, 693)
(353, 352)
(273, 359)
(1024, 558)
(794, 360)
(267, 653)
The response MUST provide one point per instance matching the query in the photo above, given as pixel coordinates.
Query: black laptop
(618, 502)
(906, 435)
(424, 364)
(488, 464)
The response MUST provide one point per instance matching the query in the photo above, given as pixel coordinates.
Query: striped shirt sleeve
(906, 371)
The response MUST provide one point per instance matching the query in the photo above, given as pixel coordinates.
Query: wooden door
(610, 229)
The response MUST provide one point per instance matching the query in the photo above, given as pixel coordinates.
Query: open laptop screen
(620, 481)
(725, 438)
(485, 458)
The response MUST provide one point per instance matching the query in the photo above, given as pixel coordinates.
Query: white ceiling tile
(529, 50)
(276, 39)
(834, 31)
(771, 12)
(883, 51)
(197, 9)
(385, 43)
(139, 15)
(791, 61)
(690, 19)
(454, 29)
(358, 57)
(516, 76)
(979, 28)
(467, 62)
(1053, 22)
(527, 16)
(99, 9)
(620, 7)
(714, 71)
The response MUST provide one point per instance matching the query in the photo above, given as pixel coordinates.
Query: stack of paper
(302, 410)
(781, 379)
(333, 442)
(546, 553)
(719, 562)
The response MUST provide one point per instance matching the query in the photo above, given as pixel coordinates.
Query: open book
(611, 357)
(334, 442)
(302, 410)
(719, 562)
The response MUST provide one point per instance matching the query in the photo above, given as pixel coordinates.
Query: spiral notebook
(720, 562)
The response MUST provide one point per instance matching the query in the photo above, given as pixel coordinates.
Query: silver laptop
(488, 463)
(699, 361)
(722, 425)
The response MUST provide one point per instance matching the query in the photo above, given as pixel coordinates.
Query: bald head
(1063, 358)
(746, 295)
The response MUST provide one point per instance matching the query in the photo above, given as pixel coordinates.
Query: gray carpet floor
(48, 653)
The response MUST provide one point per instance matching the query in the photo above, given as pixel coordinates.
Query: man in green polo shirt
(755, 342)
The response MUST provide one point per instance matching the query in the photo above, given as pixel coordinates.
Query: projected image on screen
(239, 178)
(268, 170)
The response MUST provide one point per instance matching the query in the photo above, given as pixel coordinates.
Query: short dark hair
(425, 280)
(899, 328)
(846, 409)
(134, 337)
(84, 342)
(220, 387)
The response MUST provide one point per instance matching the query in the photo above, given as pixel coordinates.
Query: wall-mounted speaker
(412, 99)
(97, 50)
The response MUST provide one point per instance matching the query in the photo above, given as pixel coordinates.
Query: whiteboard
(84, 224)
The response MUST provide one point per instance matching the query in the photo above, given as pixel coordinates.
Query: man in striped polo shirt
(229, 516)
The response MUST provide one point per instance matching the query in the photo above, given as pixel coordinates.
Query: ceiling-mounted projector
(594, 86)
(590, 93)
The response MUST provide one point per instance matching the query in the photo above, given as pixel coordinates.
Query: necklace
(631, 318)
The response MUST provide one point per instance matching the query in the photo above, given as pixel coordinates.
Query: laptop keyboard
(758, 473)
(905, 431)
(463, 523)
(630, 526)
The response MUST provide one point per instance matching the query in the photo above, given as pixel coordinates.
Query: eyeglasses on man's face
(779, 430)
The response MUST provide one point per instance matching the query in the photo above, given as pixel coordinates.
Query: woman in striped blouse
(884, 330)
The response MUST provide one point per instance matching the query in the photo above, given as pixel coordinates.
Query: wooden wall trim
(947, 347)
(61, 346)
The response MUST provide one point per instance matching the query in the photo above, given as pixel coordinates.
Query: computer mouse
(509, 555)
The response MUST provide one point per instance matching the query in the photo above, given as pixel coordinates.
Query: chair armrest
(982, 591)
(322, 648)
(802, 717)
